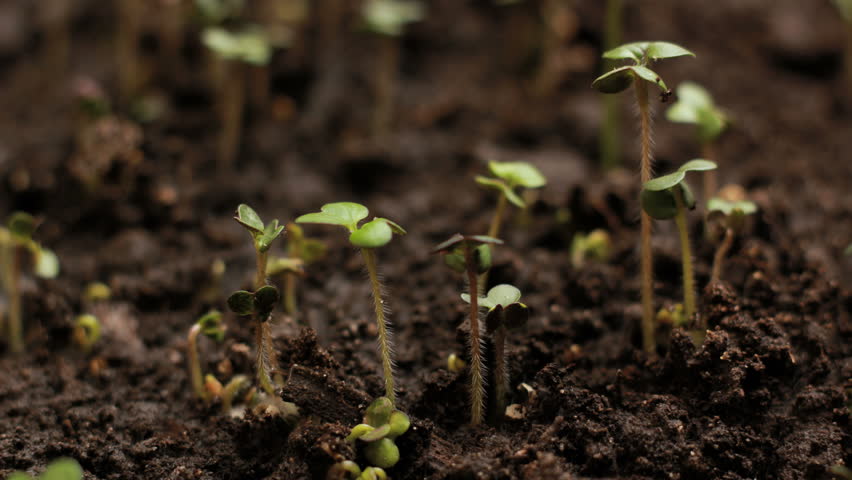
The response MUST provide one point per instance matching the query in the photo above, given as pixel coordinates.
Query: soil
(764, 397)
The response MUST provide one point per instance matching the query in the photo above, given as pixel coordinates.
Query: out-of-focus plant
(726, 217)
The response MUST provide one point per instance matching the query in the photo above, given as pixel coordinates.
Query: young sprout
(726, 216)
(695, 105)
(382, 425)
(471, 254)
(595, 245)
(668, 197)
(260, 303)
(509, 176)
(15, 240)
(236, 49)
(59, 469)
(455, 364)
(642, 54)
(97, 292)
(505, 311)
(209, 325)
(387, 19)
(610, 144)
(301, 251)
(87, 331)
(368, 237)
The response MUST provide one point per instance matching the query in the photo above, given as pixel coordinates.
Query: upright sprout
(642, 54)
(610, 140)
(471, 254)
(726, 217)
(301, 251)
(668, 197)
(695, 105)
(369, 236)
(509, 177)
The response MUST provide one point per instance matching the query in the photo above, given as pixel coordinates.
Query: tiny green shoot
(642, 55)
(595, 245)
(86, 332)
(382, 425)
(668, 197)
(97, 292)
(726, 217)
(209, 325)
(505, 311)
(508, 176)
(59, 469)
(368, 237)
(470, 254)
(301, 251)
(455, 364)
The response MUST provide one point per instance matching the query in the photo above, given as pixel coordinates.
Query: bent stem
(721, 252)
(476, 383)
(384, 334)
(686, 256)
(500, 375)
(648, 323)
(195, 374)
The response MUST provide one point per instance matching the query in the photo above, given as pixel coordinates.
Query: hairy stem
(721, 252)
(195, 374)
(477, 388)
(708, 151)
(232, 96)
(384, 334)
(686, 256)
(290, 306)
(260, 273)
(262, 359)
(385, 92)
(501, 377)
(648, 322)
(609, 140)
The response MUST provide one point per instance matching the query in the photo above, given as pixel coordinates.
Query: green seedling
(15, 241)
(301, 251)
(471, 254)
(59, 469)
(726, 218)
(668, 197)
(349, 470)
(97, 292)
(87, 331)
(382, 425)
(642, 54)
(674, 316)
(260, 303)
(387, 20)
(237, 50)
(505, 311)
(368, 237)
(508, 177)
(610, 140)
(595, 245)
(695, 106)
(209, 325)
(455, 364)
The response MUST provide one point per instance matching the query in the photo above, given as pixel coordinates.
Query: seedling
(382, 425)
(209, 325)
(505, 311)
(387, 20)
(237, 49)
(509, 177)
(668, 197)
(368, 237)
(455, 364)
(87, 331)
(260, 303)
(595, 246)
(97, 292)
(695, 105)
(59, 469)
(350, 470)
(301, 251)
(727, 217)
(471, 254)
(642, 54)
(15, 240)
(610, 140)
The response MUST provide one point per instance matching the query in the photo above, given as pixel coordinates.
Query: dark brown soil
(765, 396)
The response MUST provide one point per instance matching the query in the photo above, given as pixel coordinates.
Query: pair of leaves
(351, 470)
(250, 45)
(60, 469)
(728, 210)
(263, 235)
(211, 326)
(373, 234)
(454, 249)
(695, 106)
(642, 54)
(658, 195)
(511, 175)
(382, 424)
(260, 303)
(504, 307)
(389, 17)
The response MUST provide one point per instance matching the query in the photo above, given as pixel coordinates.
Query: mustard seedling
(505, 311)
(209, 325)
(455, 364)
(16, 241)
(87, 331)
(695, 106)
(668, 197)
(595, 245)
(349, 470)
(260, 303)
(382, 425)
(387, 20)
(367, 237)
(726, 217)
(471, 255)
(301, 251)
(639, 75)
(508, 177)
(59, 469)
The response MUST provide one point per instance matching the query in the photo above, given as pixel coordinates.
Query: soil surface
(764, 397)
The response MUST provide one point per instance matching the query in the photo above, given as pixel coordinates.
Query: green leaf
(376, 434)
(241, 302)
(503, 294)
(668, 181)
(345, 214)
(379, 412)
(383, 454)
(373, 473)
(211, 325)
(358, 431)
(270, 233)
(22, 225)
(248, 218)
(19, 476)
(373, 234)
(395, 227)
(46, 263)
(264, 302)
(62, 469)
(642, 51)
(503, 188)
(399, 423)
(216, 11)
(661, 204)
(651, 76)
(614, 81)
(698, 165)
(522, 174)
(482, 258)
(695, 106)
(250, 45)
(279, 265)
(744, 207)
(389, 17)
(90, 327)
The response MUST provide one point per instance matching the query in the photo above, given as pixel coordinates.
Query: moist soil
(764, 397)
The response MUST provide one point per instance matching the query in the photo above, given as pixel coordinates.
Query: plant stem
(261, 259)
(477, 389)
(384, 334)
(648, 323)
(721, 252)
(686, 256)
(708, 151)
(609, 140)
(497, 220)
(195, 374)
(265, 360)
(386, 74)
(290, 306)
(232, 95)
(501, 378)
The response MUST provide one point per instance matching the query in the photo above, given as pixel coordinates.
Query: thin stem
(260, 274)
(708, 151)
(686, 256)
(233, 99)
(501, 377)
(609, 140)
(384, 334)
(648, 322)
(721, 252)
(497, 220)
(290, 306)
(385, 92)
(195, 374)
(262, 338)
(477, 388)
